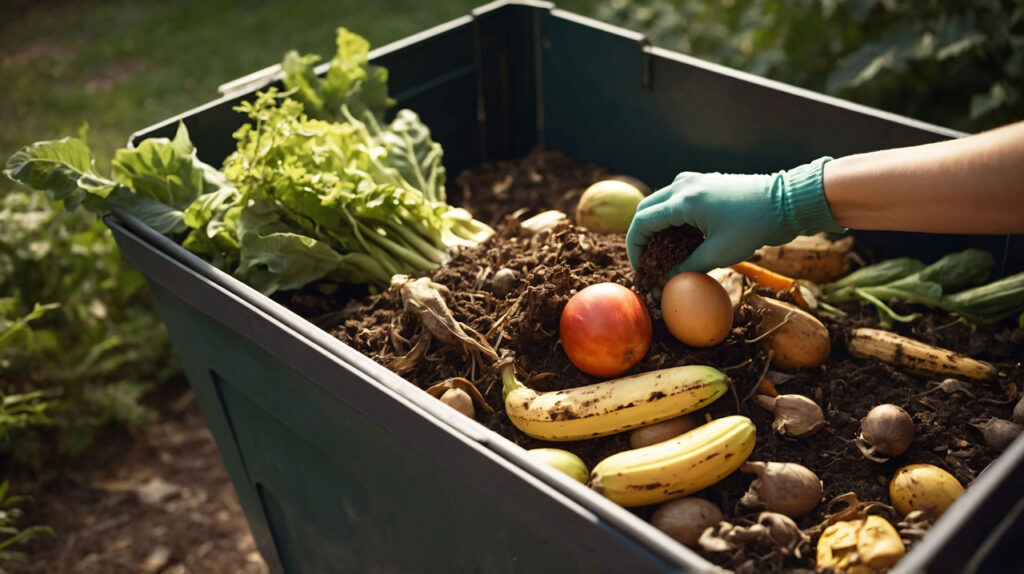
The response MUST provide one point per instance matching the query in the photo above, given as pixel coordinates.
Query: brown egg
(696, 309)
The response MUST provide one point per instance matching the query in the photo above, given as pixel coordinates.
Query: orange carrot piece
(765, 387)
(771, 280)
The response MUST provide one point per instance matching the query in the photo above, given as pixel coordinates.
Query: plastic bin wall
(341, 465)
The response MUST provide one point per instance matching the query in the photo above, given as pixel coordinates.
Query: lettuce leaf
(154, 182)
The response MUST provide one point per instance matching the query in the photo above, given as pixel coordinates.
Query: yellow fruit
(923, 487)
(608, 206)
(861, 545)
(612, 406)
(563, 460)
(677, 467)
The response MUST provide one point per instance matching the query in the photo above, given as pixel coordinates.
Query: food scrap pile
(506, 297)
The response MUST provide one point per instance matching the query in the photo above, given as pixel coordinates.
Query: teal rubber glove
(737, 213)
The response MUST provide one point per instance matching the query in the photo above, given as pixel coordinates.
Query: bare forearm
(970, 185)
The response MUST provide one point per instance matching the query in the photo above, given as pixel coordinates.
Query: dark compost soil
(549, 267)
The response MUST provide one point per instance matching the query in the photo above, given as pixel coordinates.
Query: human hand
(738, 214)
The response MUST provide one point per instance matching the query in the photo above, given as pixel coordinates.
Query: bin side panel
(437, 78)
(333, 469)
(508, 90)
(609, 101)
(689, 116)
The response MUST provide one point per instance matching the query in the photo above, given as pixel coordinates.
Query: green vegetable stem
(939, 285)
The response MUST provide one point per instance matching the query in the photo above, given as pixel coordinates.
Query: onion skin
(459, 400)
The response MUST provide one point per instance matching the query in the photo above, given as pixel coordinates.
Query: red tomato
(605, 329)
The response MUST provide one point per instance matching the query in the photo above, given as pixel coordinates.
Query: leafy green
(154, 182)
(991, 302)
(65, 168)
(939, 285)
(319, 187)
(333, 200)
(878, 274)
(350, 81)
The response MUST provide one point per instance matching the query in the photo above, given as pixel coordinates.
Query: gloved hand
(737, 213)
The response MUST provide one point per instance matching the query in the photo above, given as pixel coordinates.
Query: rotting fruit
(563, 460)
(608, 206)
(675, 468)
(605, 329)
(612, 406)
(863, 545)
(923, 487)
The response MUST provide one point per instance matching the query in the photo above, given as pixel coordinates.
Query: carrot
(765, 387)
(771, 280)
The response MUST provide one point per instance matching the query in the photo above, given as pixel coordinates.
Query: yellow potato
(923, 487)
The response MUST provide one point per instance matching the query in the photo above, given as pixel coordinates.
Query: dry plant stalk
(426, 300)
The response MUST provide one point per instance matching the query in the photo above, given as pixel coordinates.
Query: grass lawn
(118, 66)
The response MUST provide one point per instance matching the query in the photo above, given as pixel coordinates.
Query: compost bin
(340, 464)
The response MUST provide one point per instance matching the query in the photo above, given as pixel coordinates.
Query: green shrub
(93, 354)
(959, 64)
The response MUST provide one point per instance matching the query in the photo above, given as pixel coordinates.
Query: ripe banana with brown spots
(915, 356)
(677, 467)
(612, 406)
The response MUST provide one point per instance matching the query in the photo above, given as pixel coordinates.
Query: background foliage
(80, 343)
(957, 64)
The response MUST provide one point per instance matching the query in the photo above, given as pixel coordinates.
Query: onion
(784, 487)
(795, 415)
(459, 400)
(887, 430)
(999, 433)
(686, 518)
(461, 395)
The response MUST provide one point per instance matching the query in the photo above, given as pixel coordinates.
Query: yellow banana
(611, 406)
(915, 356)
(677, 467)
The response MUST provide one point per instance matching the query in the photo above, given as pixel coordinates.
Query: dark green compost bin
(341, 465)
